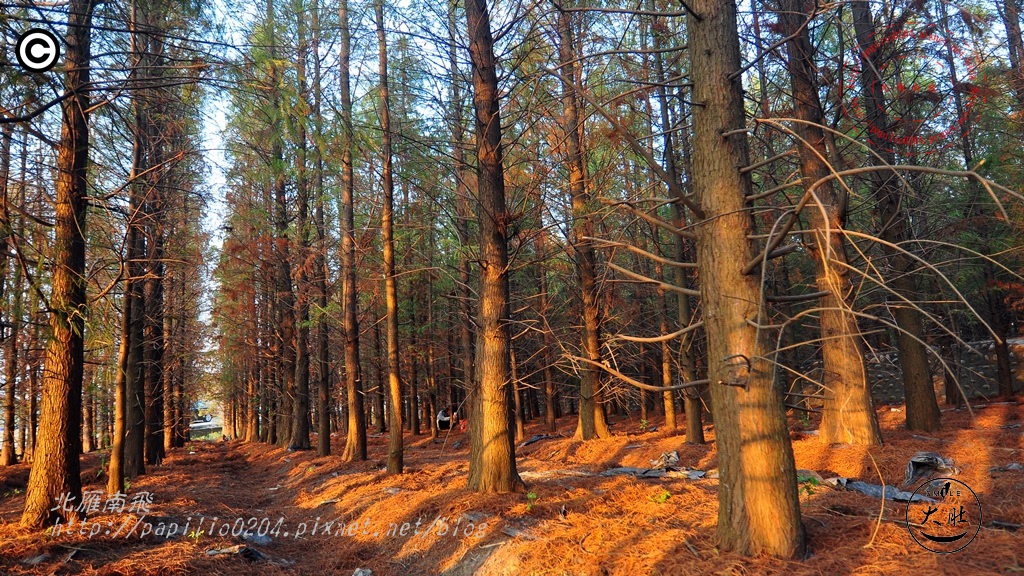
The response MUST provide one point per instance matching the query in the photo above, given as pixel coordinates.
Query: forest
(508, 287)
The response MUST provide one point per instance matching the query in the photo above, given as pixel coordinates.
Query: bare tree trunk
(284, 297)
(591, 421)
(758, 507)
(550, 399)
(153, 339)
(414, 346)
(135, 414)
(11, 365)
(134, 448)
(1009, 11)
(55, 463)
(169, 375)
(431, 358)
(12, 325)
(379, 401)
(116, 469)
(848, 413)
(645, 378)
(463, 213)
(150, 125)
(323, 348)
(691, 396)
(492, 462)
(395, 450)
(300, 405)
(517, 395)
(89, 412)
(6, 135)
(922, 408)
(668, 396)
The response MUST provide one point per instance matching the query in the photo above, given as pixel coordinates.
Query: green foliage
(660, 497)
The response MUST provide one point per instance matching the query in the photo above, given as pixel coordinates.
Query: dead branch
(652, 219)
(662, 338)
(637, 383)
(660, 284)
(642, 252)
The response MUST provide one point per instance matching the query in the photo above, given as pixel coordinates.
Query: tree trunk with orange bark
(758, 507)
(922, 407)
(848, 412)
(591, 422)
(492, 461)
(55, 464)
(395, 449)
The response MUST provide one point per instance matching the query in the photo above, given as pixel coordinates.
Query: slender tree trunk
(668, 396)
(300, 405)
(151, 128)
(89, 413)
(172, 324)
(591, 421)
(644, 377)
(134, 446)
(6, 135)
(395, 449)
(550, 399)
(414, 346)
(11, 365)
(33, 410)
(55, 463)
(922, 407)
(1009, 11)
(462, 217)
(323, 348)
(284, 297)
(153, 339)
(758, 507)
(848, 413)
(691, 396)
(10, 319)
(492, 462)
(431, 333)
(379, 378)
(518, 398)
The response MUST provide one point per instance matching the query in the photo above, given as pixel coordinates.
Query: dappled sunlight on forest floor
(569, 521)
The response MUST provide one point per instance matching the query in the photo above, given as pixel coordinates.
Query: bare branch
(638, 383)
(662, 338)
(660, 284)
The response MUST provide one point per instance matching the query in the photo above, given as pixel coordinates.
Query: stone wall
(977, 375)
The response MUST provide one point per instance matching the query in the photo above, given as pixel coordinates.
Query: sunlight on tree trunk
(758, 508)
(848, 413)
(492, 462)
(395, 449)
(591, 422)
(922, 407)
(55, 461)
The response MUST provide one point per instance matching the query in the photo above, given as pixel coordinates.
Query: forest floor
(570, 521)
